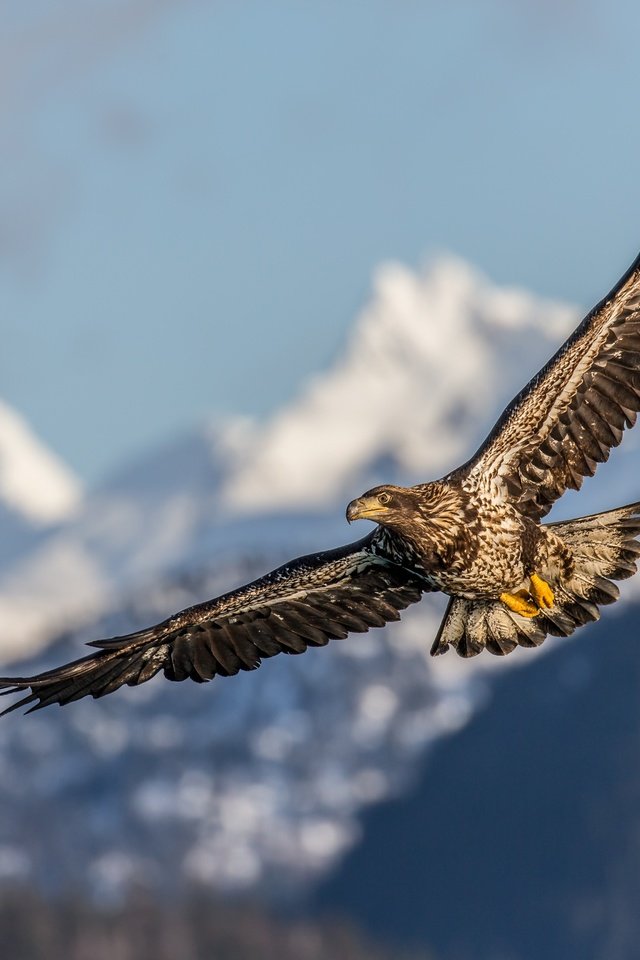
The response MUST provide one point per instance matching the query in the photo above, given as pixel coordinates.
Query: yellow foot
(521, 603)
(541, 592)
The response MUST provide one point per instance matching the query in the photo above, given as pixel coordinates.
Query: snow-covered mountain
(36, 489)
(425, 368)
(428, 365)
(254, 781)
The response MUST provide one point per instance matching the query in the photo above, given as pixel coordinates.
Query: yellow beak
(366, 508)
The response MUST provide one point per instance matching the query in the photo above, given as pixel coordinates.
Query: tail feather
(604, 548)
(471, 626)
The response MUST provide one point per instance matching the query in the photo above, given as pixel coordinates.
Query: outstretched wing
(565, 421)
(306, 602)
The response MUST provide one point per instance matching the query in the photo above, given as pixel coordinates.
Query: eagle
(475, 535)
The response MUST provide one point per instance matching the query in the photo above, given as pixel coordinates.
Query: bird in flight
(474, 535)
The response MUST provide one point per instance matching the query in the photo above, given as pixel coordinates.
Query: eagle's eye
(384, 498)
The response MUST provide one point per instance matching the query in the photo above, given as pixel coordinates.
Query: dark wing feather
(306, 602)
(568, 417)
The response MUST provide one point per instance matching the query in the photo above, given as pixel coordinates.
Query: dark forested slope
(522, 839)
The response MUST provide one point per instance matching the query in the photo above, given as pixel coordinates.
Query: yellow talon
(520, 602)
(530, 603)
(541, 592)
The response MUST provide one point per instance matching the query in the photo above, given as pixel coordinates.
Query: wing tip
(20, 703)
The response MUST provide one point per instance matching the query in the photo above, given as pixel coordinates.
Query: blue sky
(195, 194)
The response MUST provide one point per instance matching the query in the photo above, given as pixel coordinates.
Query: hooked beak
(365, 508)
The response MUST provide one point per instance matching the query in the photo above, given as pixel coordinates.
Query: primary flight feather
(474, 535)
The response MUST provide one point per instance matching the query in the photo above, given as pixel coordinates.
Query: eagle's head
(423, 512)
(386, 504)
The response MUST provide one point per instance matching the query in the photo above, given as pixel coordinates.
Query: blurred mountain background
(214, 335)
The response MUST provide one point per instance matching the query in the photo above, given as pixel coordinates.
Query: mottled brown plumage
(475, 535)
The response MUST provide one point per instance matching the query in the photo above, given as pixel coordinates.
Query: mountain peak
(422, 360)
(34, 483)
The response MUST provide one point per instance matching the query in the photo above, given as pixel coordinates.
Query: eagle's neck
(440, 519)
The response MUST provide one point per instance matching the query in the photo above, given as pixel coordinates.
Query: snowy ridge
(145, 521)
